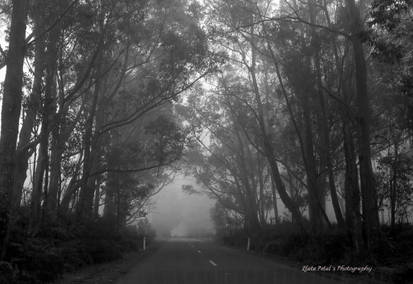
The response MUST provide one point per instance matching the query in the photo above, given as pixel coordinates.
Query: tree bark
(252, 220)
(325, 168)
(316, 194)
(325, 154)
(24, 149)
(87, 190)
(351, 189)
(12, 97)
(97, 150)
(325, 147)
(274, 201)
(368, 188)
(49, 124)
(70, 192)
(39, 174)
(55, 121)
(393, 186)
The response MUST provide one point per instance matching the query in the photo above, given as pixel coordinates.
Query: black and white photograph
(206, 141)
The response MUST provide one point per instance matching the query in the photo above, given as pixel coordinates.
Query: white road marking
(213, 263)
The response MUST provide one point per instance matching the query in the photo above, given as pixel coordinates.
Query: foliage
(332, 247)
(394, 175)
(391, 42)
(43, 258)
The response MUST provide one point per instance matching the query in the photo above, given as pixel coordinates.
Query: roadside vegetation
(65, 247)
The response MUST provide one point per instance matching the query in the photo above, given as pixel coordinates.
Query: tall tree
(11, 106)
(368, 187)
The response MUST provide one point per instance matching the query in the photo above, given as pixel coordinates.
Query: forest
(296, 116)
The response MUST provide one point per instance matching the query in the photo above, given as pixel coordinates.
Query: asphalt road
(196, 262)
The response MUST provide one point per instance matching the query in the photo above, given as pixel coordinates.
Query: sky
(179, 213)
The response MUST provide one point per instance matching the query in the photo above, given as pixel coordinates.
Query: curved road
(196, 262)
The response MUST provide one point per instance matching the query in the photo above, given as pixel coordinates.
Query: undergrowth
(64, 246)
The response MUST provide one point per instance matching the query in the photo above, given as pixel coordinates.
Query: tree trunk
(368, 188)
(56, 121)
(260, 172)
(269, 153)
(351, 189)
(285, 198)
(325, 148)
(316, 195)
(96, 204)
(39, 175)
(24, 149)
(110, 208)
(266, 126)
(12, 97)
(49, 124)
(325, 142)
(86, 195)
(393, 187)
(97, 149)
(87, 190)
(59, 139)
(274, 201)
(70, 192)
(325, 160)
(57, 150)
(252, 220)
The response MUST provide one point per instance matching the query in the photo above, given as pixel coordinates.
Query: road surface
(196, 262)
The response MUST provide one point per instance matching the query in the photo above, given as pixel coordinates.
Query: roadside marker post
(144, 243)
(248, 244)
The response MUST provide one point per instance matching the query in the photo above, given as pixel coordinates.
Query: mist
(178, 214)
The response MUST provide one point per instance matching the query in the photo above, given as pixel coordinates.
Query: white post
(248, 244)
(144, 243)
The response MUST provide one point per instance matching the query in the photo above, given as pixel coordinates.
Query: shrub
(285, 239)
(75, 255)
(102, 250)
(60, 247)
(38, 262)
(130, 239)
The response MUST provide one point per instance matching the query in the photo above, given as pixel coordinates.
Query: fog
(175, 213)
(178, 214)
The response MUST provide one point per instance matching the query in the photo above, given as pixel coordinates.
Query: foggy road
(193, 262)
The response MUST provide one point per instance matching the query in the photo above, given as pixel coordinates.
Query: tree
(368, 188)
(11, 106)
